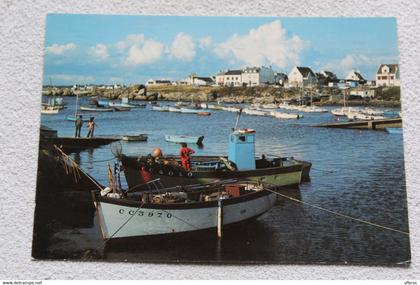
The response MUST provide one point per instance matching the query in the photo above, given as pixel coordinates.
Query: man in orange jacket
(185, 156)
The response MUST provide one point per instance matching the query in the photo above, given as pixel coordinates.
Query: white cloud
(205, 42)
(72, 78)
(267, 44)
(130, 40)
(357, 62)
(99, 52)
(57, 49)
(183, 47)
(147, 52)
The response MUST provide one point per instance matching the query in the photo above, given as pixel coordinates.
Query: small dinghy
(190, 111)
(184, 139)
(135, 138)
(49, 110)
(121, 109)
(180, 209)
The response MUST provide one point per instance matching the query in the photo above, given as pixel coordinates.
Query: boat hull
(185, 139)
(96, 109)
(164, 219)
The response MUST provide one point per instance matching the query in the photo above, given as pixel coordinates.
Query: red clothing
(185, 158)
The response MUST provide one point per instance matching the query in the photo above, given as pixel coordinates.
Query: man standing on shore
(79, 123)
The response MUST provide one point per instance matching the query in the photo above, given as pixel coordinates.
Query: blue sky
(132, 49)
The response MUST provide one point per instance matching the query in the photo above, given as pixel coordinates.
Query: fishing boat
(135, 138)
(184, 138)
(121, 109)
(240, 163)
(93, 108)
(125, 103)
(191, 111)
(254, 112)
(49, 110)
(269, 106)
(174, 109)
(204, 114)
(281, 115)
(180, 209)
(160, 108)
(394, 131)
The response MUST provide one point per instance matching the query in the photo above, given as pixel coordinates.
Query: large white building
(301, 76)
(388, 75)
(254, 76)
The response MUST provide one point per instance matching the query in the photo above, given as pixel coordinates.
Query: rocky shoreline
(385, 97)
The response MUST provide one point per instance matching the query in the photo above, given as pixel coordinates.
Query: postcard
(231, 140)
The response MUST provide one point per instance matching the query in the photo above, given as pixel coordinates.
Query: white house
(388, 75)
(301, 76)
(254, 76)
(229, 78)
(355, 76)
(199, 80)
(364, 93)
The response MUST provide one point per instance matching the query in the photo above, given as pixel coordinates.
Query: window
(391, 77)
(384, 77)
(227, 78)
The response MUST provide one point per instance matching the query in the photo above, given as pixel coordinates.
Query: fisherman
(91, 127)
(185, 156)
(79, 124)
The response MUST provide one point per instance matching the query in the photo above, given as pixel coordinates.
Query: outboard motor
(241, 149)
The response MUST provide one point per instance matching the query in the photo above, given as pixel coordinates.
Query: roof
(252, 69)
(328, 74)
(305, 71)
(233, 72)
(357, 74)
(393, 68)
(206, 79)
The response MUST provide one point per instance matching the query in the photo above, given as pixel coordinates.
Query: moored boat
(49, 110)
(160, 108)
(93, 108)
(174, 109)
(180, 209)
(184, 139)
(137, 138)
(240, 163)
(191, 111)
(281, 115)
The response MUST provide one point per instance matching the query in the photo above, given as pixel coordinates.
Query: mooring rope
(338, 214)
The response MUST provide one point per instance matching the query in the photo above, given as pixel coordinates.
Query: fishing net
(116, 149)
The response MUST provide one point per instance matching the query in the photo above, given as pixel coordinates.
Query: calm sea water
(357, 173)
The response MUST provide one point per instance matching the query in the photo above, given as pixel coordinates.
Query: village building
(326, 77)
(355, 76)
(254, 76)
(280, 78)
(229, 78)
(388, 75)
(158, 82)
(363, 92)
(301, 76)
(199, 80)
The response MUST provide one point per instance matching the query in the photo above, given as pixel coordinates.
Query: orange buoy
(157, 152)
